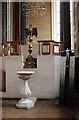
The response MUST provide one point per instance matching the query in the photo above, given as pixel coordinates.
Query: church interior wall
(42, 24)
(43, 84)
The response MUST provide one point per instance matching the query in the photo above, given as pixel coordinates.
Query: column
(4, 22)
(8, 23)
(67, 67)
(65, 24)
(8, 20)
(11, 21)
(0, 26)
(25, 24)
(77, 27)
(20, 21)
(52, 21)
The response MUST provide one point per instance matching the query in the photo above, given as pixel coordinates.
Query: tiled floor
(42, 109)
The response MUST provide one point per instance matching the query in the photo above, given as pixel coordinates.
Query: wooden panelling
(2, 81)
(50, 43)
(46, 48)
(15, 48)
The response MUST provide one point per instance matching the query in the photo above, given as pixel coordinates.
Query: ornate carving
(29, 33)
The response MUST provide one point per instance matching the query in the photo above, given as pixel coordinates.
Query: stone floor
(42, 109)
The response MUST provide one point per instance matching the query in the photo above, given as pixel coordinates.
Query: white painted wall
(44, 82)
